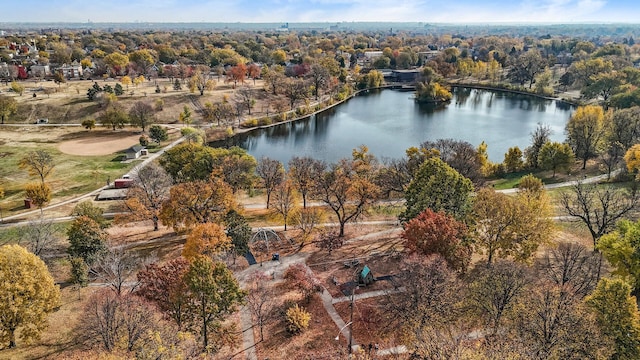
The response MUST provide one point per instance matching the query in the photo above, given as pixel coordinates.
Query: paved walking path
(273, 268)
(367, 295)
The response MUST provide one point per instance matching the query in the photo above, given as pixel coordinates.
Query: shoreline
(400, 87)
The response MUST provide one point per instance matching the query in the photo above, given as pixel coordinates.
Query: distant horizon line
(331, 22)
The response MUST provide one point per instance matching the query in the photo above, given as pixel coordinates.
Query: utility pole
(353, 299)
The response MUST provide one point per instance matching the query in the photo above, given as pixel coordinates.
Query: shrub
(264, 121)
(297, 319)
(144, 140)
(89, 124)
(298, 277)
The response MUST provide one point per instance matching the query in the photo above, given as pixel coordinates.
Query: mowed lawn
(72, 175)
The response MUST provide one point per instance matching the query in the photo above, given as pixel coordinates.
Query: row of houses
(19, 71)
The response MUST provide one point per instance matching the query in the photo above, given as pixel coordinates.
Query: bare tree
(320, 77)
(141, 114)
(427, 307)
(346, 190)
(41, 235)
(272, 174)
(538, 138)
(494, 292)
(109, 319)
(38, 163)
(115, 268)
(306, 220)
(571, 265)
(554, 324)
(261, 299)
(598, 207)
(393, 176)
(295, 90)
(223, 112)
(304, 172)
(144, 199)
(329, 240)
(284, 200)
(244, 95)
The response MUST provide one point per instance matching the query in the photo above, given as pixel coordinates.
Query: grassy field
(72, 175)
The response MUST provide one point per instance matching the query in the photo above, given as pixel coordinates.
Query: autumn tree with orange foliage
(164, 286)
(197, 202)
(206, 239)
(438, 233)
(237, 74)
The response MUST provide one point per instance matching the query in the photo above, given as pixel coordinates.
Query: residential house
(72, 71)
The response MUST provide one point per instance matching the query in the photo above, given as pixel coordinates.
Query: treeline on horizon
(474, 29)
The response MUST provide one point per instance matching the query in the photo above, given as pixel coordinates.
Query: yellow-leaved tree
(632, 159)
(586, 131)
(27, 294)
(207, 239)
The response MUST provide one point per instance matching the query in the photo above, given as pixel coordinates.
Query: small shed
(365, 276)
(135, 152)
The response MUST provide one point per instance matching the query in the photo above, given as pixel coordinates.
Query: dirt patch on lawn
(99, 144)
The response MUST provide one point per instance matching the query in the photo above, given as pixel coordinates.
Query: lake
(390, 121)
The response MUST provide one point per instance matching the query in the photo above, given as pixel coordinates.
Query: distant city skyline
(252, 11)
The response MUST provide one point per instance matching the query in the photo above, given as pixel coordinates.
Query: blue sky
(434, 11)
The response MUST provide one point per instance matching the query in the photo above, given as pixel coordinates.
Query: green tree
(87, 240)
(586, 131)
(114, 117)
(554, 156)
(158, 133)
(604, 85)
(185, 116)
(319, 77)
(617, 316)
(8, 107)
(527, 66)
(89, 124)
(239, 231)
(621, 248)
(27, 294)
(216, 294)
(437, 186)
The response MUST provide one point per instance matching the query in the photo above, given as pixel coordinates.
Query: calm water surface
(389, 122)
